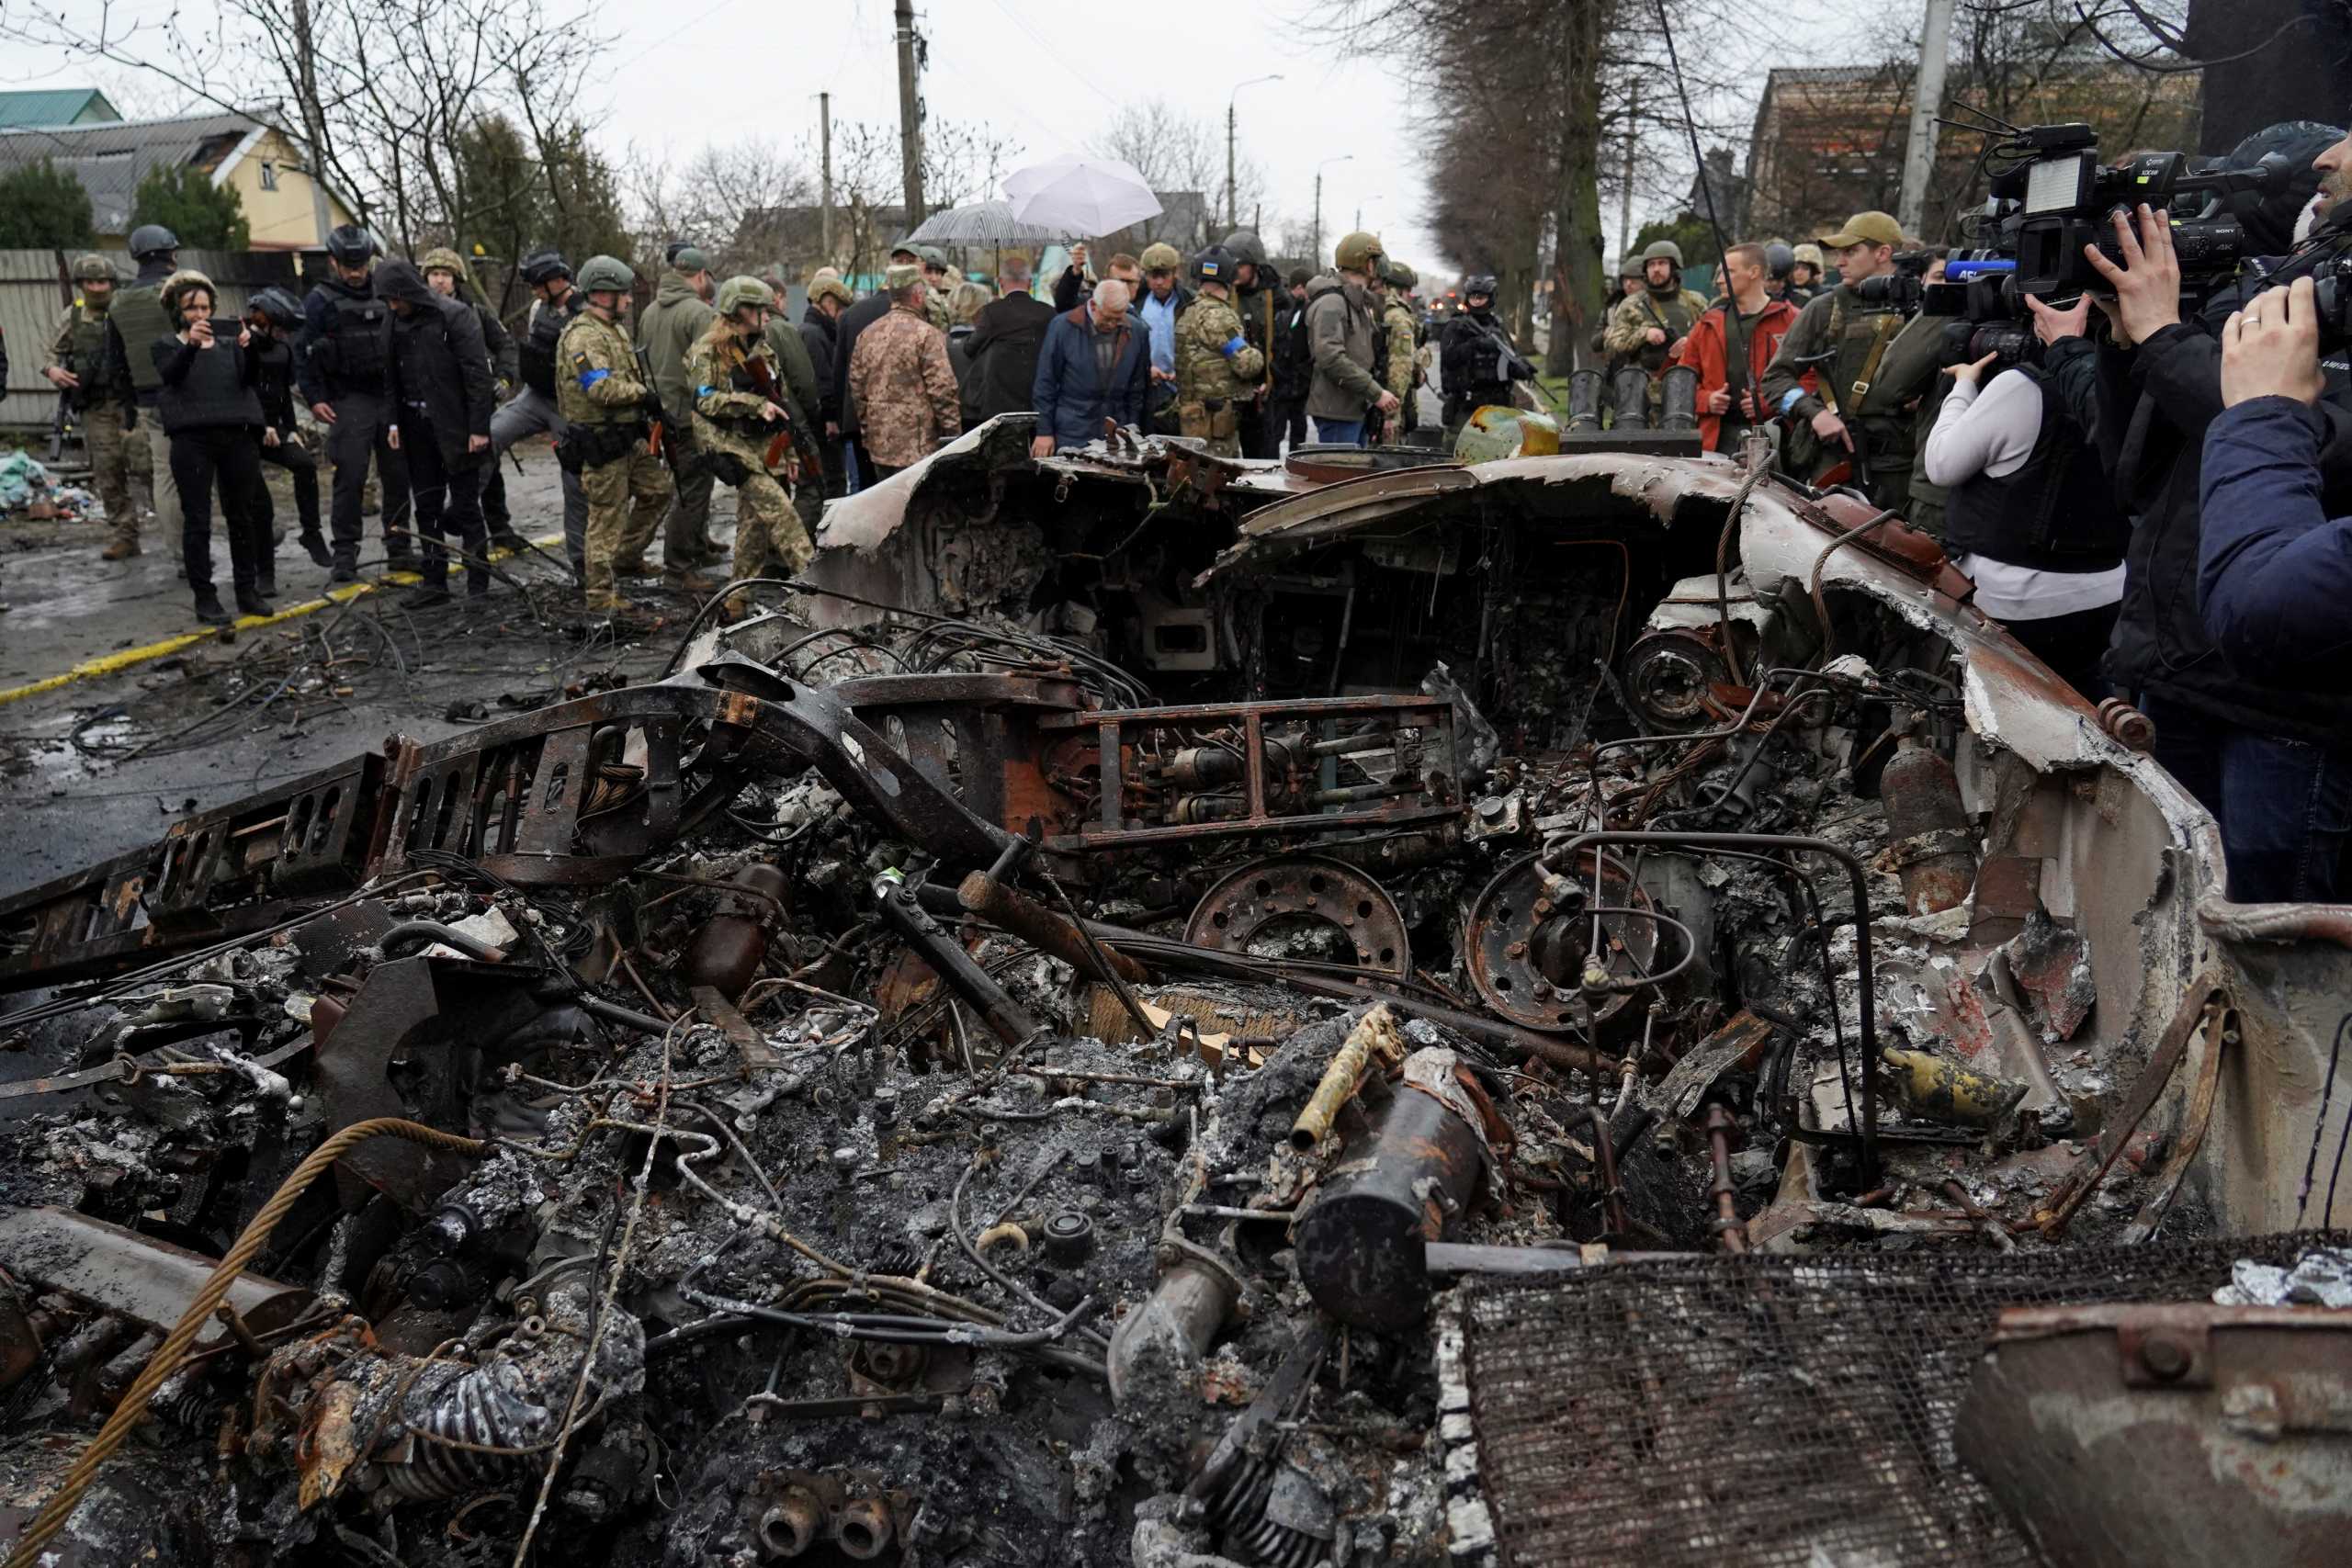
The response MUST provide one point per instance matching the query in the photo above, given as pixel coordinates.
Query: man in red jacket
(1726, 411)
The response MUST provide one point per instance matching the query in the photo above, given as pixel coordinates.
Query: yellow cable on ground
(166, 1358)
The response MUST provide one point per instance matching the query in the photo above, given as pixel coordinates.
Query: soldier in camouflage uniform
(1644, 328)
(1404, 370)
(900, 381)
(83, 365)
(606, 402)
(1216, 366)
(739, 413)
(939, 281)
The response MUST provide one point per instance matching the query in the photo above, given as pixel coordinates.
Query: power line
(1049, 52)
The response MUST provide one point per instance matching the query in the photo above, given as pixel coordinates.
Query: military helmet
(1356, 252)
(180, 282)
(1160, 256)
(352, 245)
(1808, 255)
(1778, 258)
(931, 256)
(1247, 248)
(599, 275)
(153, 239)
(93, 268)
(540, 267)
(441, 258)
(1215, 264)
(282, 309)
(738, 292)
(1662, 248)
(1479, 283)
(825, 286)
(1399, 276)
(1629, 265)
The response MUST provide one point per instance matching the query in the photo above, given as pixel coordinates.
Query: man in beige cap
(900, 381)
(1851, 415)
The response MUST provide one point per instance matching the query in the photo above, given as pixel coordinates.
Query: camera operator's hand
(2270, 349)
(1972, 374)
(1829, 427)
(2147, 286)
(2050, 324)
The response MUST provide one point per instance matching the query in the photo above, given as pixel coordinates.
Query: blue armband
(590, 378)
(1788, 398)
(1234, 345)
(704, 391)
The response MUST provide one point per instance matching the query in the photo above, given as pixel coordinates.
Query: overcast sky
(1046, 72)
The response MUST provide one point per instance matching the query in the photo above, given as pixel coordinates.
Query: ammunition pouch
(727, 467)
(1210, 419)
(593, 445)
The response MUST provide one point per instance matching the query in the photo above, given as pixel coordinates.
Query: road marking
(124, 659)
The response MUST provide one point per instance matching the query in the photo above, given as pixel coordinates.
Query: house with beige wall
(289, 208)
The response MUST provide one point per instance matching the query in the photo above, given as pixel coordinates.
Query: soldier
(1805, 274)
(1403, 374)
(667, 330)
(1216, 366)
(1476, 356)
(444, 273)
(1264, 305)
(804, 400)
(748, 437)
(340, 363)
(939, 281)
(84, 369)
(135, 321)
(606, 402)
(1856, 415)
(534, 410)
(1647, 329)
(900, 381)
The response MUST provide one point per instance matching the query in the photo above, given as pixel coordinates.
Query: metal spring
(483, 1406)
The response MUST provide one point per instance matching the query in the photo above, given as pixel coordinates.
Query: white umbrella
(1080, 195)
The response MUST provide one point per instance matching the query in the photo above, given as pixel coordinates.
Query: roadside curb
(124, 659)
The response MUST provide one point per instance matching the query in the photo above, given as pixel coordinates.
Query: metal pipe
(790, 1527)
(901, 913)
(982, 895)
(1375, 1033)
(1729, 1228)
(1174, 1327)
(1613, 1193)
(472, 946)
(1855, 878)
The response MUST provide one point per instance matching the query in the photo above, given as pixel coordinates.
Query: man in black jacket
(2271, 758)
(339, 363)
(447, 274)
(1294, 360)
(532, 411)
(1004, 341)
(273, 317)
(820, 326)
(438, 377)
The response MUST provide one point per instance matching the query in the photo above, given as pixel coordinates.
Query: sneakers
(209, 610)
(317, 545)
(121, 549)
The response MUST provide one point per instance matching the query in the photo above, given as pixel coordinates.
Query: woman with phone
(212, 415)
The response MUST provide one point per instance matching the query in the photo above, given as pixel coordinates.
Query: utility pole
(825, 139)
(1232, 216)
(1920, 153)
(1625, 195)
(910, 116)
(1317, 260)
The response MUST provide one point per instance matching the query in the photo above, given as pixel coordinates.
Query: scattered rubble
(1013, 1056)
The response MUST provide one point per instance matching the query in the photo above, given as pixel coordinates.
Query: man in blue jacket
(1095, 364)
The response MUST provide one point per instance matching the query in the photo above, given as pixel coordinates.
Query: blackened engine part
(1246, 901)
(790, 1526)
(1237, 1489)
(1361, 1246)
(1007, 908)
(1927, 825)
(1668, 674)
(1525, 948)
(1631, 393)
(146, 1281)
(902, 911)
(1679, 398)
(1166, 1337)
(1583, 400)
(863, 1529)
(725, 952)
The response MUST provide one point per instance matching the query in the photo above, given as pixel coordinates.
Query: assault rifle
(784, 447)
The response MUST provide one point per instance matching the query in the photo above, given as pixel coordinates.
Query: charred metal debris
(1175, 1013)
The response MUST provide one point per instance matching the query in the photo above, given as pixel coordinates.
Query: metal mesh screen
(1771, 1410)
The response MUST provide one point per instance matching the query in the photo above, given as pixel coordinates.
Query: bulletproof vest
(1670, 312)
(1860, 336)
(2056, 513)
(1485, 350)
(140, 319)
(535, 356)
(85, 344)
(360, 340)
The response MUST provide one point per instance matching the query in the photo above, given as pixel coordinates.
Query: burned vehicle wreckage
(1164, 1011)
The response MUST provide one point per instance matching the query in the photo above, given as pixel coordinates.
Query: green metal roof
(57, 106)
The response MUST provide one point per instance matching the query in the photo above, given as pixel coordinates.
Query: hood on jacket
(399, 279)
(673, 289)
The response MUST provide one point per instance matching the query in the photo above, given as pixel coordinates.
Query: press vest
(358, 334)
(139, 319)
(2056, 513)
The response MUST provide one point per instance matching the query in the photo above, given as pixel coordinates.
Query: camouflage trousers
(770, 540)
(111, 468)
(625, 500)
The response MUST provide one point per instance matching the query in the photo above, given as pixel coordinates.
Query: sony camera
(2064, 199)
(1904, 288)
